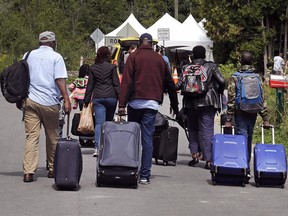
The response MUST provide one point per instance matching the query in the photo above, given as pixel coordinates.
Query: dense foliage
(234, 25)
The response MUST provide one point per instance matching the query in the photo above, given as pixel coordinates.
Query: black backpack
(15, 81)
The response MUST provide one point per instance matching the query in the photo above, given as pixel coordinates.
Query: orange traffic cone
(175, 76)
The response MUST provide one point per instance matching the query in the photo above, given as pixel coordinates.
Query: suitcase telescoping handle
(273, 134)
(68, 125)
(222, 129)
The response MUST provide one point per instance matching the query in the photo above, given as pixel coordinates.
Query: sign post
(97, 36)
(163, 34)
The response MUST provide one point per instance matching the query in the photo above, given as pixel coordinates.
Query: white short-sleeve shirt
(45, 66)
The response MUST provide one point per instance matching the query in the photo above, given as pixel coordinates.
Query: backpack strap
(23, 103)
(27, 55)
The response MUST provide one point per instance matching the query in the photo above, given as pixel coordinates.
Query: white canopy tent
(166, 21)
(183, 36)
(201, 23)
(129, 28)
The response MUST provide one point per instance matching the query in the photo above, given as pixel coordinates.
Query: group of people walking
(146, 77)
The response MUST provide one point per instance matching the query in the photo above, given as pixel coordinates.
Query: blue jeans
(244, 126)
(201, 130)
(104, 109)
(146, 119)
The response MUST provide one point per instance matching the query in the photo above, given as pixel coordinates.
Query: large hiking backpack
(249, 92)
(15, 81)
(195, 80)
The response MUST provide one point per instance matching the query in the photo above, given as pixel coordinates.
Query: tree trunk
(285, 36)
(265, 52)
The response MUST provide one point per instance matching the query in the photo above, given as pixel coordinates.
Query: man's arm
(171, 90)
(231, 98)
(61, 83)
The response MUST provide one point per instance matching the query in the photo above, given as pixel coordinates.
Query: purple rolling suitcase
(229, 161)
(119, 154)
(67, 162)
(270, 163)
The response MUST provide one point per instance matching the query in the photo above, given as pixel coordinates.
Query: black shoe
(28, 177)
(193, 162)
(247, 178)
(208, 165)
(51, 174)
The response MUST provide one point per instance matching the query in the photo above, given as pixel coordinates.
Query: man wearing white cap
(47, 83)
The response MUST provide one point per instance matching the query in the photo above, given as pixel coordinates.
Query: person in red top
(145, 77)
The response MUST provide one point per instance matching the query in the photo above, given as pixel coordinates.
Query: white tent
(129, 28)
(166, 21)
(201, 23)
(184, 35)
(196, 35)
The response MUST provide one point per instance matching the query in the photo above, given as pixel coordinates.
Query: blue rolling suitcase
(270, 163)
(229, 162)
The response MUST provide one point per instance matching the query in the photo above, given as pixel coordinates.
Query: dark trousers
(201, 130)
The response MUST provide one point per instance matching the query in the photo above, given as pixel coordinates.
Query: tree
(237, 25)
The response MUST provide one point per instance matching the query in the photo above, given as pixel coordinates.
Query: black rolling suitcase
(165, 145)
(67, 162)
(118, 162)
(85, 140)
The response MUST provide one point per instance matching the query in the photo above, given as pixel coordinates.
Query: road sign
(111, 40)
(97, 35)
(163, 34)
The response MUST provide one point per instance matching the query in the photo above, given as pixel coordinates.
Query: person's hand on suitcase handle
(228, 124)
(121, 111)
(266, 125)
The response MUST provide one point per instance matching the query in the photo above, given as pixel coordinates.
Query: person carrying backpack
(201, 84)
(48, 76)
(246, 98)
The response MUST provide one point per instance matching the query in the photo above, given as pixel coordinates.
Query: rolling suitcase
(67, 162)
(118, 162)
(229, 161)
(165, 145)
(270, 163)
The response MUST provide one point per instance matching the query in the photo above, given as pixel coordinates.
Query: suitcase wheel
(213, 179)
(156, 161)
(165, 163)
(243, 184)
(282, 186)
(257, 184)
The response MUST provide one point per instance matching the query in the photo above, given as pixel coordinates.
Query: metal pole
(279, 105)
(176, 9)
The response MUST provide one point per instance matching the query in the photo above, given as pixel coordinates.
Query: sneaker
(144, 181)
(193, 162)
(208, 165)
(95, 154)
(248, 177)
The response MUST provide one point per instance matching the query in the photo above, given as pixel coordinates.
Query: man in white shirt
(47, 83)
(278, 66)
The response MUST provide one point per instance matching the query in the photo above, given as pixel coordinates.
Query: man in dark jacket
(200, 110)
(145, 77)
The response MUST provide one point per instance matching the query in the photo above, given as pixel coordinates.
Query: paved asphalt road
(179, 190)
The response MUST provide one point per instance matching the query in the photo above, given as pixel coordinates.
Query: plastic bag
(86, 124)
